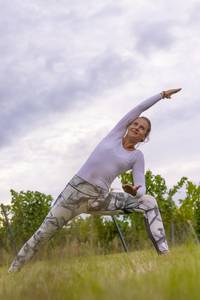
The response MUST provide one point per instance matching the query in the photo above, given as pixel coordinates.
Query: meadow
(140, 275)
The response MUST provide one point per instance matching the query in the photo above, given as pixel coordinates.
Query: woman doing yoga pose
(88, 191)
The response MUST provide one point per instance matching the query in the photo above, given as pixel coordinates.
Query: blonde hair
(149, 124)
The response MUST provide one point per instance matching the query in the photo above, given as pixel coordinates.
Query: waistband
(86, 187)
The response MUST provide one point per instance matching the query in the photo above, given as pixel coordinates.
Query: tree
(28, 209)
(190, 206)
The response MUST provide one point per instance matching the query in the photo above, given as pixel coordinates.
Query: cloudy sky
(69, 70)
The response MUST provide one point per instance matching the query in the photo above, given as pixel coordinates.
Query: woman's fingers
(167, 94)
(173, 91)
(177, 90)
(137, 187)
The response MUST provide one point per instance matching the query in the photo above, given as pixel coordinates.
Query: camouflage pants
(79, 197)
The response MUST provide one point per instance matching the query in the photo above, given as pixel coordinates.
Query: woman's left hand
(167, 94)
(131, 189)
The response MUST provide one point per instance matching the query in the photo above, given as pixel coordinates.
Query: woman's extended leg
(69, 204)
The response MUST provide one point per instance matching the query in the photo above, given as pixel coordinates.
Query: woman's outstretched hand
(167, 94)
(131, 189)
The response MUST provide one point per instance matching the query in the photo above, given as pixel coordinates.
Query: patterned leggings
(79, 197)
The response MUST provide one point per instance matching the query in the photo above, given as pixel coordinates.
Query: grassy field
(149, 276)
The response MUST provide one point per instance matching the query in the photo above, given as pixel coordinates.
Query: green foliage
(28, 210)
(187, 204)
(4, 231)
(126, 177)
(95, 231)
(190, 205)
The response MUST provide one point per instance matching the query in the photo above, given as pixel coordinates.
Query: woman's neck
(127, 144)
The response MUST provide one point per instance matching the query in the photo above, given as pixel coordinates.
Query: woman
(88, 190)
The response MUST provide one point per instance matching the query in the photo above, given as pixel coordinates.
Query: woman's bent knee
(147, 202)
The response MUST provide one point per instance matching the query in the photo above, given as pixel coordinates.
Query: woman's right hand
(167, 94)
(131, 189)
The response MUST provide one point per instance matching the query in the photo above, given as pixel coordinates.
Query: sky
(71, 69)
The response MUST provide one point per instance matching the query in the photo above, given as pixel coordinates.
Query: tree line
(179, 206)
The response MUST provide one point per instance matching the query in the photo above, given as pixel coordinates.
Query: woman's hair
(149, 126)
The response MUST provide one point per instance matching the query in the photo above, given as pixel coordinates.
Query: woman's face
(138, 129)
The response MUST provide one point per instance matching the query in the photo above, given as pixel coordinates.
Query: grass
(175, 276)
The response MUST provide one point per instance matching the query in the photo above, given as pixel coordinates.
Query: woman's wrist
(162, 94)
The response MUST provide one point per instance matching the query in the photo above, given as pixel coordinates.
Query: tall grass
(149, 276)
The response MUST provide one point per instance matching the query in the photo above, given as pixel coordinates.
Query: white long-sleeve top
(110, 158)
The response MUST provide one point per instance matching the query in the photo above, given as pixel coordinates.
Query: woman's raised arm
(121, 126)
